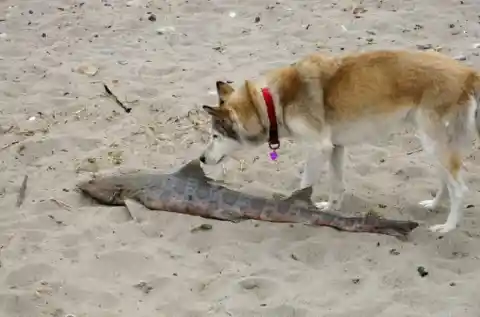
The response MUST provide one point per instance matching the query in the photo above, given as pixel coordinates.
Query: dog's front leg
(312, 169)
(337, 186)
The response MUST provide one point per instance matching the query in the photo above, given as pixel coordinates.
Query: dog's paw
(428, 204)
(446, 227)
(324, 206)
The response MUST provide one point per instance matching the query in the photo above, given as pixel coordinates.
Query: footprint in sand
(122, 262)
(284, 310)
(31, 151)
(28, 274)
(310, 253)
(19, 305)
(261, 287)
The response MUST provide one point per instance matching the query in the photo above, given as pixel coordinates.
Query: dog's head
(235, 122)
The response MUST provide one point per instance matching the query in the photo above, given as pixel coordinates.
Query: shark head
(112, 190)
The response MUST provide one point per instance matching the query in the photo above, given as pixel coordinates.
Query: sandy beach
(62, 255)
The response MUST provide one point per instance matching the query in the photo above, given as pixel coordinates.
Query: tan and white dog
(344, 100)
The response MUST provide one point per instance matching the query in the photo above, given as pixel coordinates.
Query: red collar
(273, 141)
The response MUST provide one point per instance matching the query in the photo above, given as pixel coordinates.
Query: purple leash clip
(273, 153)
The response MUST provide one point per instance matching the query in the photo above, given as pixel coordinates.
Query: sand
(61, 254)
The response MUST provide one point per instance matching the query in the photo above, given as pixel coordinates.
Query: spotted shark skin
(189, 191)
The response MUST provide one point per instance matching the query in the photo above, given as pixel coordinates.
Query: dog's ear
(210, 110)
(224, 90)
(250, 90)
(216, 112)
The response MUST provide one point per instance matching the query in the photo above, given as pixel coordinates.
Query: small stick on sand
(9, 145)
(5, 131)
(110, 93)
(21, 192)
(415, 151)
(58, 222)
(60, 204)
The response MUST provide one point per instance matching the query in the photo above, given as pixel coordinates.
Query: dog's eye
(215, 136)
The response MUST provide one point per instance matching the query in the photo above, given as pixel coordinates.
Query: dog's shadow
(354, 205)
(422, 214)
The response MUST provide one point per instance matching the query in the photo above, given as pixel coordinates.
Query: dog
(345, 100)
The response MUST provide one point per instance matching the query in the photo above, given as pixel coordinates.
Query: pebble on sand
(87, 69)
(152, 17)
(165, 29)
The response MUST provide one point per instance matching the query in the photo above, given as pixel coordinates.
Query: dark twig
(60, 204)
(21, 192)
(9, 145)
(58, 222)
(110, 93)
(5, 131)
(415, 151)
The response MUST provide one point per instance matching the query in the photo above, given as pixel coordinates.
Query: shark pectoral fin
(192, 169)
(138, 212)
(131, 206)
(278, 196)
(303, 194)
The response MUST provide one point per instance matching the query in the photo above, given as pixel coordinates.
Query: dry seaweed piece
(144, 287)
(422, 271)
(202, 227)
(22, 191)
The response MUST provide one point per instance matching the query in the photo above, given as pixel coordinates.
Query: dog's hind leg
(440, 197)
(445, 140)
(452, 164)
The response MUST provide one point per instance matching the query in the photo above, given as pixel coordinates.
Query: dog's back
(386, 81)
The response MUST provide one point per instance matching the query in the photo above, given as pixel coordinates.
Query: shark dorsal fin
(192, 169)
(301, 194)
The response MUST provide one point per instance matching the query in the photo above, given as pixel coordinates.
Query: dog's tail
(476, 96)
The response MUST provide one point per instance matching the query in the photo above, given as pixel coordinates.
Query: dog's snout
(202, 159)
